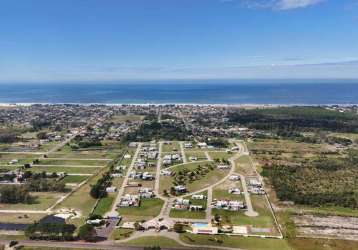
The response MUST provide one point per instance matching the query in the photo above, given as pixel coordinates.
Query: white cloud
(294, 4)
(280, 4)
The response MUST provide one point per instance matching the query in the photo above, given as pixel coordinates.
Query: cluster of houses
(118, 171)
(230, 205)
(185, 204)
(146, 176)
(146, 193)
(255, 187)
(129, 200)
(170, 158)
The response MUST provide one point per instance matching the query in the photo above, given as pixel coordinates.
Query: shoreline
(269, 105)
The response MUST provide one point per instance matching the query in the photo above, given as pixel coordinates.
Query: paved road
(125, 181)
(183, 152)
(60, 145)
(250, 210)
(157, 174)
(208, 156)
(105, 245)
(208, 204)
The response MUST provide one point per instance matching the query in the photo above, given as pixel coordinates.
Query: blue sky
(58, 40)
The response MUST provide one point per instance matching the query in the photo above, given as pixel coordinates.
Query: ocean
(183, 92)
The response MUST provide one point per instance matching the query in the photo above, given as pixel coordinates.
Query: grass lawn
(69, 170)
(104, 205)
(207, 180)
(149, 208)
(79, 155)
(221, 194)
(20, 218)
(187, 214)
(321, 244)
(243, 165)
(200, 155)
(220, 155)
(249, 243)
(173, 147)
(153, 241)
(121, 233)
(124, 118)
(74, 178)
(43, 200)
(81, 162)
(81, 200)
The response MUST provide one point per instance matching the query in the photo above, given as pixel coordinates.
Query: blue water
(200, 92)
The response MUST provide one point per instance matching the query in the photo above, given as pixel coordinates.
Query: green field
(149, 208)
(69, 170)
(249, 243)
(153, 241)
(81, 162)
(43, 200)
(74, 178)
(104, 205)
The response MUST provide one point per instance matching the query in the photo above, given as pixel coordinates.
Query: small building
(111, 189)
(203, 228)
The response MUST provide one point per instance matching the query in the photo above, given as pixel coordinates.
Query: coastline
(243, 105)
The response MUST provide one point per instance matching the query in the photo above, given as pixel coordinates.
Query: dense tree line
(50, 231)
(98, 190)
(323, 181)
(156, 130)
(13, 194)
(293, 119)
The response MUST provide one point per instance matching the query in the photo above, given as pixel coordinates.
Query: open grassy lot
(82, 155)
(121, 233)
(81, 200)
(243, 165)
(69, 170)
(321, 244)
(153, 241)
(249, 243)
(149, 208)
(20, 218)
(81, 162)
(220, 155)
(104, 205)
(74, 178)
(42, 201)
(198, 154)
(126, 118)
(202, 181)
(172, 147)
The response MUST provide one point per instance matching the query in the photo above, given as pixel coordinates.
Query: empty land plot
(81, 155)
(68, 170)
(42, 201)
(81, 200)
(20, 218)
(198, 154)
(249, 243)
(64, 162)
(149, 208)
(74, 178)
(221, 155)
(243, 165)
(171, 147)
(104, 205)
(126, 118)
(193, 180)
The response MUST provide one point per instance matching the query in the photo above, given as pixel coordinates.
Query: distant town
(178, 176)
